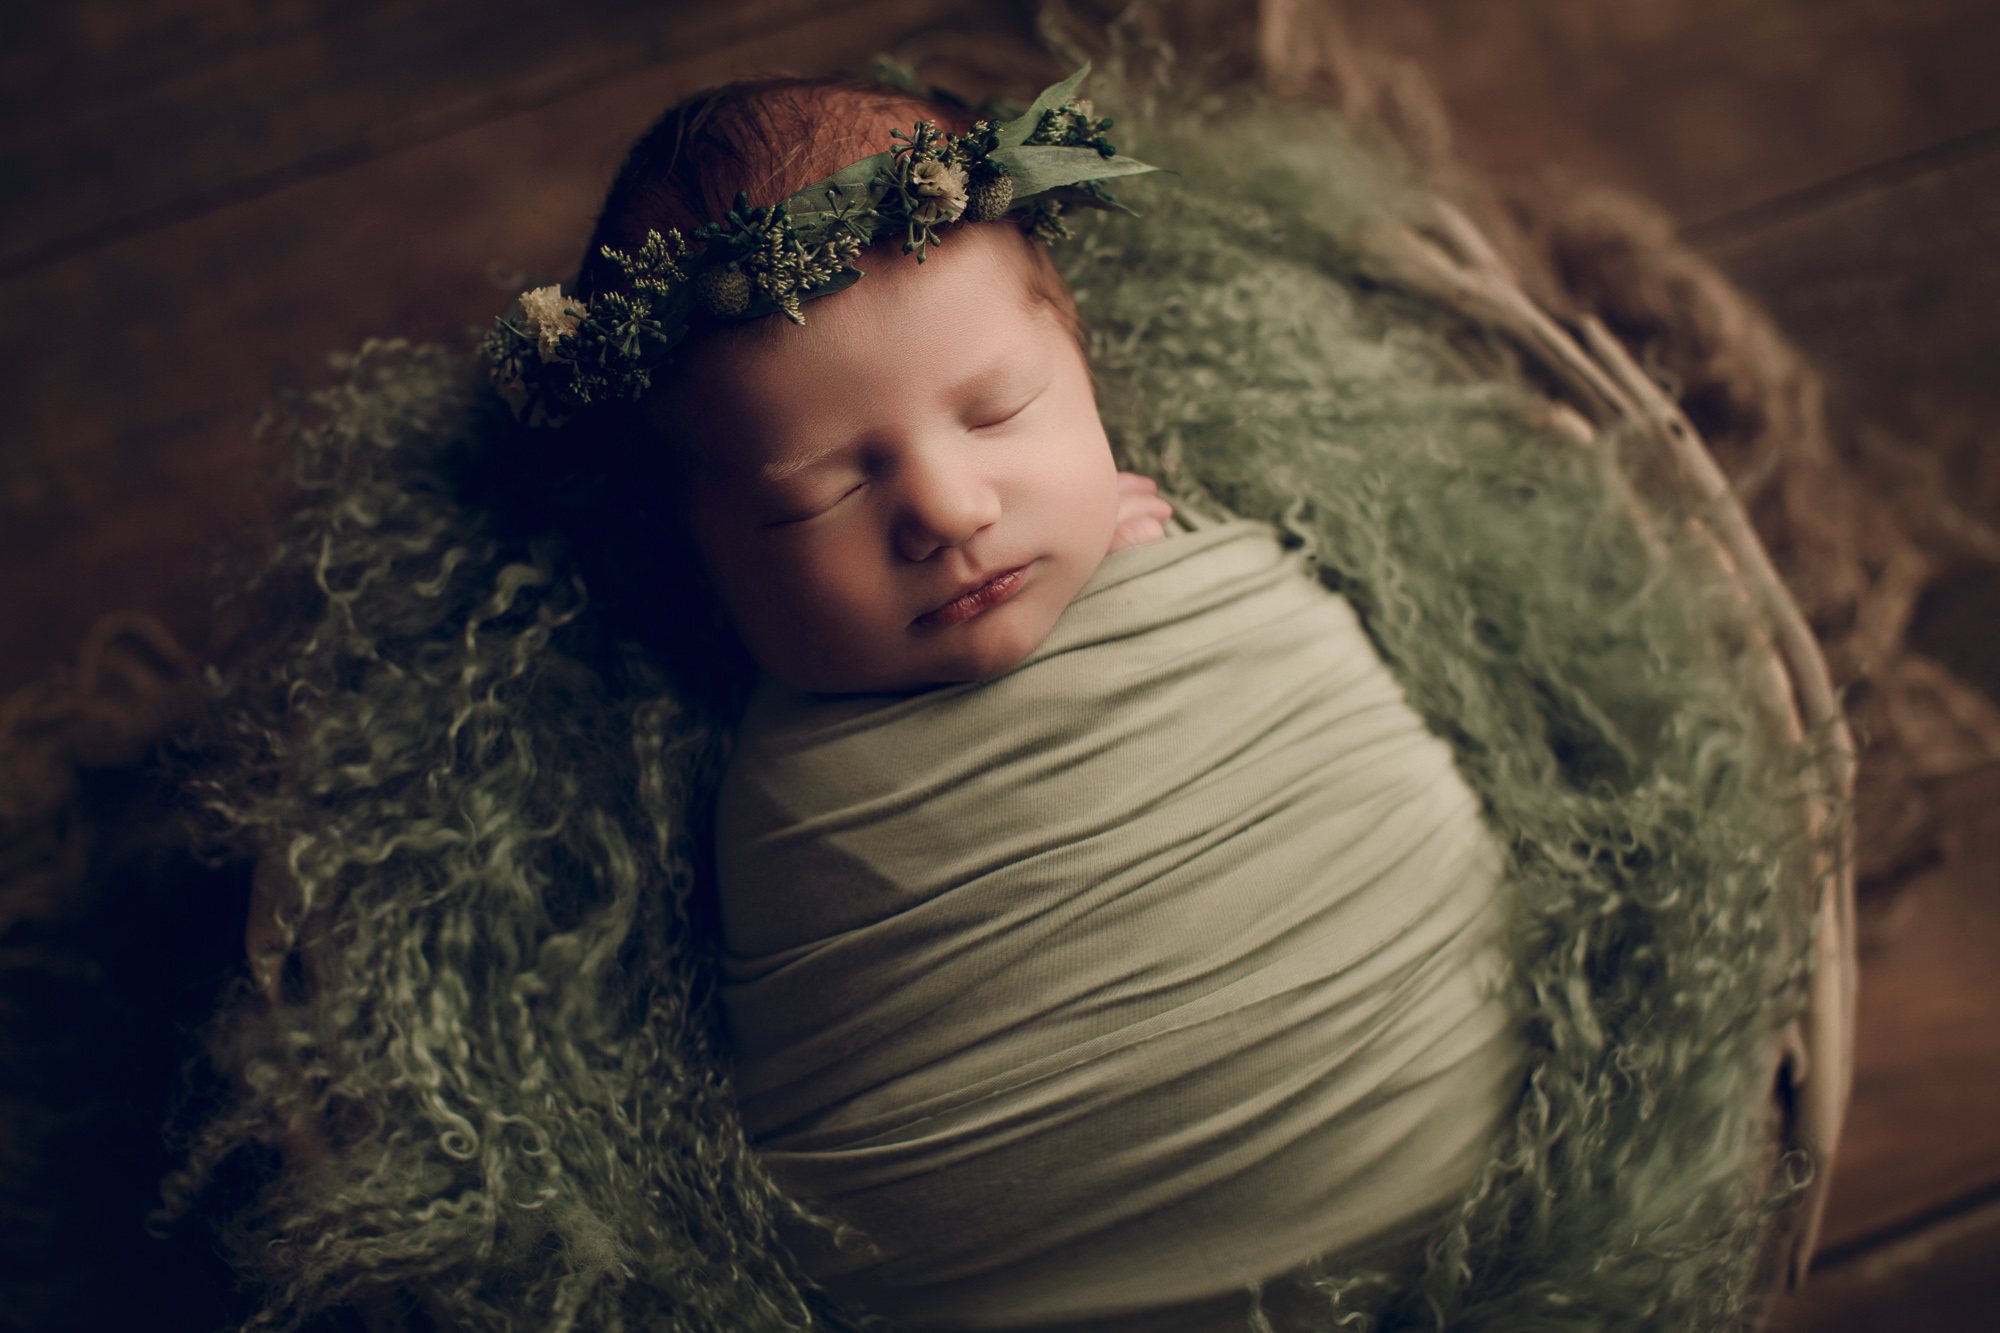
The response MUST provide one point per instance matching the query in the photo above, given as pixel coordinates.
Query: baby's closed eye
(803, 511)
(996, 410)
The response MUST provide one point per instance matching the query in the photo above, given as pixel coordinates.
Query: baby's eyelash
(1009, 415)
(827, 508)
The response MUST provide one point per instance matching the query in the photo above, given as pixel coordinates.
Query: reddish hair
(768, 138)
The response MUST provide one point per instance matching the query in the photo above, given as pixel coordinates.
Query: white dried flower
(549, 315)
(941, 188)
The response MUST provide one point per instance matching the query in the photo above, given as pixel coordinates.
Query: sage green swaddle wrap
(1152, 969)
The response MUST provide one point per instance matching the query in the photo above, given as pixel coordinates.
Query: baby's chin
(988, 645)
(985, 662)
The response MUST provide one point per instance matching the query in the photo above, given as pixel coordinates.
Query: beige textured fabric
(1150, 970)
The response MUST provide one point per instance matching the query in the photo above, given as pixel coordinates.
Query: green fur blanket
(496, 1076)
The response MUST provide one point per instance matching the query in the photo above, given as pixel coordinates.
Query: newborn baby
(1103, 933)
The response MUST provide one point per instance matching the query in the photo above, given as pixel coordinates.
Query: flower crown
(554, 353)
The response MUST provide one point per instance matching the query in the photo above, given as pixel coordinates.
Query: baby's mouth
(969, 604)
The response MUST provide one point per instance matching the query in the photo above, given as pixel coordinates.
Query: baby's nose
(943, 506)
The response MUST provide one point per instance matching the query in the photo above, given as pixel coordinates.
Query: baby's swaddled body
(1152, 969)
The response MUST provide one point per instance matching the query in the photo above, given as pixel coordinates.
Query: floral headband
(554, 353)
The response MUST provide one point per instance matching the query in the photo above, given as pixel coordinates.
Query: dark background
(199, 198)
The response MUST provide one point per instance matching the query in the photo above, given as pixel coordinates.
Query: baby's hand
(1142, 514)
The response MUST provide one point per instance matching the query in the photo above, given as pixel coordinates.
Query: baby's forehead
(982, 316)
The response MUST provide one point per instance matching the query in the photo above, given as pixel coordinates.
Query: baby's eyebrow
(785, 469)
(1001, 373)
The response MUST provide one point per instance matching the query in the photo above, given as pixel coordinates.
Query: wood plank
(128, 455)
(1942, 1278)
(1895, 292)
(269, 97)
(1703, 106)
(1923, 1133)
(57, 56)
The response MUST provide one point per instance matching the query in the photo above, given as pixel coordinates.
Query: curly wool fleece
(501, 1093)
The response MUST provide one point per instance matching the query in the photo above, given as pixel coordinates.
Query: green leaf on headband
(1016, 131)
(1038, 169)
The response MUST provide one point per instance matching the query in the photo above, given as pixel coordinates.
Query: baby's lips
(974, 599)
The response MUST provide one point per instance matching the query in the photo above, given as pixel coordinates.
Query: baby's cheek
(779, 608)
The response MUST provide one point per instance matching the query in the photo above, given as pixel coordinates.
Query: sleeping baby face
(908, 489)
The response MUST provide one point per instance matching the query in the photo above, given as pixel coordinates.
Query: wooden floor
(203, 196)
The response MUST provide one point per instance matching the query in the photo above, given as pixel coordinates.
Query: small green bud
(723, 292)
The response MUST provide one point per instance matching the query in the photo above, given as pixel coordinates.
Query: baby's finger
(1136, 530)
